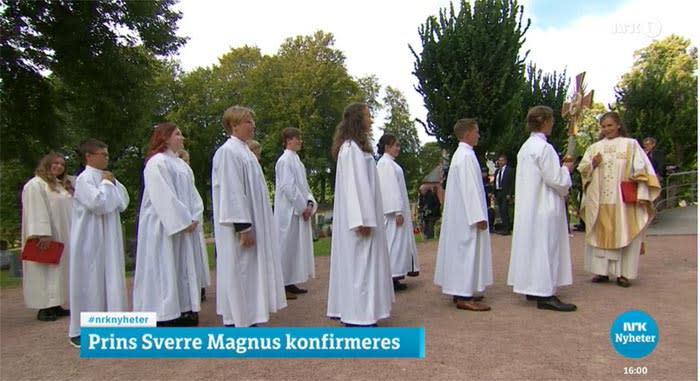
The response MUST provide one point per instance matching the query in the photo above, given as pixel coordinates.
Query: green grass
(6, 281)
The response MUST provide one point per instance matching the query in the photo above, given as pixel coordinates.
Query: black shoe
(46, 314)
(203, 295)
(230, 325)
(60, 311)
(334, 318)
(413, 273)
(347, 325)
(295, 290)
(75, 341)
(398, 286)
(531, 297)
(553, 303)
(188, 319)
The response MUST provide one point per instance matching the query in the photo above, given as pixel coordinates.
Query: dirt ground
(513, 341)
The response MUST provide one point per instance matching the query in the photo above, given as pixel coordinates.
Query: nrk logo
(634, 334)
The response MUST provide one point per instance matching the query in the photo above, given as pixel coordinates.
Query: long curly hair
(43, 170)
(352, 128)
(159, 140)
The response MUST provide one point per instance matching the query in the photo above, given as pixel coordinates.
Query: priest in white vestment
(97, 274)
(397, 212)
(294, 209)
(249, 282)
(360, 290)
(47, 201)
(168, 253)
(615, 229)
(463, 266)
(540, 260)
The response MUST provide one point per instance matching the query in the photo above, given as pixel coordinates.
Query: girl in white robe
(397, 212)
(168, 253)
(47, 200)
(360, 290)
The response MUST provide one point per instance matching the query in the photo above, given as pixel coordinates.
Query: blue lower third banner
(242, 343)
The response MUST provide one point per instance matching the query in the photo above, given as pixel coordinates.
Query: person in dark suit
(504, 186)
(656, 156)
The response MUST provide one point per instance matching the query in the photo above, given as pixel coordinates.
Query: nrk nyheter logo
(634, 334)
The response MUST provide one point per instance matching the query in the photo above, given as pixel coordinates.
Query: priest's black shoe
(531, 297)
(553, 303)
(295, 290)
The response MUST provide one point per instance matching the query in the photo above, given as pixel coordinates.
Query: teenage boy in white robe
(249, 282)
(97, 280)
(540, 260)
(397, 212)
(463, 266)
(169, 254)
(359, 289)
(294, 207)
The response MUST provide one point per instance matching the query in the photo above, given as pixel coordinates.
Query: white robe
(168, 260)
(540, 260)
(360, 290)
(463, 265)
(400, 240)
(97, 282)
(46, 213)
(292, 194)
(249, 280)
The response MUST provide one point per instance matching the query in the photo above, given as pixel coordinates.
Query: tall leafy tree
(399, 123)
(77, 69)
(304, 85)
(659, 97)
(470, 66)
(549, 89)
(200, 98)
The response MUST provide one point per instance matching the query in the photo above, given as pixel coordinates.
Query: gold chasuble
(610, 222)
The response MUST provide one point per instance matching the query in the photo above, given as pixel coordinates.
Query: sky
(596, 36)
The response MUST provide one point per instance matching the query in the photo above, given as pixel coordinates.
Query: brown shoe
(290, 296)
(600, 279)
(476, 298)
(623, 282)
(472, 305)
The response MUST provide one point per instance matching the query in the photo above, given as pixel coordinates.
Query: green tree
(549, 89)
(305, 85)
(72, 70)
(199, 100)
(470, 66)
(370, 88)
(399, 123)
(659, 97)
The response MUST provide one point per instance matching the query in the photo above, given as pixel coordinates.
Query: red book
(52, 254)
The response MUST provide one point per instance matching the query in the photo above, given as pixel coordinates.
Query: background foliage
(77, 69)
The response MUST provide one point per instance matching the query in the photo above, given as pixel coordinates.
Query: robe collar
(466, 145)
(540, 135)
(170, 153)
(290, 152)
(235, 140)
(93, 169)
(388, 156)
